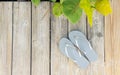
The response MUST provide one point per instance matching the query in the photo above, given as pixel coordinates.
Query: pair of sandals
(78, 49)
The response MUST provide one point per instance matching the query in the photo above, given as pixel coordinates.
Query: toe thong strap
(76, 41)
(69, 46)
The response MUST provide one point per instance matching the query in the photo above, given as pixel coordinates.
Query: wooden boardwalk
(29, 38)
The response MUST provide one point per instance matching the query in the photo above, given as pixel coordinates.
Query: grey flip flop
(69, 50)
(83, 44)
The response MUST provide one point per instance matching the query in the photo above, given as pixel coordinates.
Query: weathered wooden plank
(40, 39)
(59, 62)
(112, 40)
(81, 26)
(5, 37)
(109, 60)
(96, 38)
(21, 38)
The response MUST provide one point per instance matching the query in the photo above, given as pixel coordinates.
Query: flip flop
(83, 44)
(69, 50)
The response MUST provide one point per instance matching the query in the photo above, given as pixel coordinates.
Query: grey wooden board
(59, 63)
(96, 38)
(21, 38)
(5, 38)
(40, 39)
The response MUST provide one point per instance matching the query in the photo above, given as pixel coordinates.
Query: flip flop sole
(72, 53)
(83, 44)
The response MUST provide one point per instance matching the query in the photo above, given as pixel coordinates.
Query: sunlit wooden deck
(29, 38)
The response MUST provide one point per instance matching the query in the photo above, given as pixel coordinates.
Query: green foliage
(72, 10)
(57, 9)
(61, 1)
(87, 7)
(53, 0)
(103, 6)
(93, 1)
(36, 2)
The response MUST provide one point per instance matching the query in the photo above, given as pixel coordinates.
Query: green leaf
(61, 1)
(86, 6)
(93, 0)
(36, 2)
(103, 6)
(57, 9)
(53, 0)
(72, 10)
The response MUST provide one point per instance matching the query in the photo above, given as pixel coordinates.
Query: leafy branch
(72, 9)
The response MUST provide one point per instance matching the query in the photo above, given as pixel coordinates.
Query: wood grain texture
(109, 60)
(112, 40)
(96, 38)
(5, 37)
(40, 39)
(59, 62)
(21, 38)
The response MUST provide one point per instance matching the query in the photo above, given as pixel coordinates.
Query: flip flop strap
(66, 50)
(76, 41)
(78, 45)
